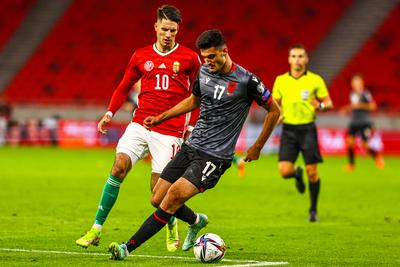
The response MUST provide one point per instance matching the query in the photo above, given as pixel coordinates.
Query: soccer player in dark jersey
(165, 70)
(224, 91)
(361, 104)
(300, 93)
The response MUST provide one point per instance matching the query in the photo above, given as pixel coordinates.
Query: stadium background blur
(61, 60)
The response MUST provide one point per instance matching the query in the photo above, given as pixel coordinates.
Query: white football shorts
(137, 142)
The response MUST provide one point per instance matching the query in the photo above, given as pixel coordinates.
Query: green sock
(235, 160)
(108, 198)
(171, 221)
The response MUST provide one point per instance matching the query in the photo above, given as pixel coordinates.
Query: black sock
(350, 154)
(314, 191)
(150, 227)
(185, 214)
(372, 152)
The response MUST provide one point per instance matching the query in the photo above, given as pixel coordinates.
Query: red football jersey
(165, 81)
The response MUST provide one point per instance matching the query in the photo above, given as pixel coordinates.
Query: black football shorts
(300, 138)
(199, 168)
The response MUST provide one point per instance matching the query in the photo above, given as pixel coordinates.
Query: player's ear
(155, 26)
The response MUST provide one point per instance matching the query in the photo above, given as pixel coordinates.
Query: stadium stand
(83, 58)
(11, 15)
(379, 62)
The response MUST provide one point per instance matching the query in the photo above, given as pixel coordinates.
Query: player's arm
(185, 106)
(324, 104)
(274, 113)
(258, 92)
(371, 106)
(131, 76)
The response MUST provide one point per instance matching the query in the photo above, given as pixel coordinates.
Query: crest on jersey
(149, 65)
(231, 88)
(175, 67)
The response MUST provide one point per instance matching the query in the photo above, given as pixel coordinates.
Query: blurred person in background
(166, 70)
(300, 94)
(5, 114)
(360, 107)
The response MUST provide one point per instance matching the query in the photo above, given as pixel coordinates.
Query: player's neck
(162, 49)
(228, 65)
(297, 73)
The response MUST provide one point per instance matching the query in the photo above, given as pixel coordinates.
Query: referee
(300, 93)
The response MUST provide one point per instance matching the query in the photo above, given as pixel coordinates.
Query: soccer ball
(209, 248)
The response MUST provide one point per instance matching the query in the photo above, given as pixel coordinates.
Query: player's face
(298, 59)
(166, 32)
(214, 58)
(357, 84)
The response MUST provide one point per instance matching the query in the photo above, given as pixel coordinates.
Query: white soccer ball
(209, 248)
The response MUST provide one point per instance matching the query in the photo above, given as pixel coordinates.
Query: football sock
(108, 198)
(314, 191)
(171, 221)
(185, 214)
(372, 152)
(150, 227)
(235, 160)
(350, 154)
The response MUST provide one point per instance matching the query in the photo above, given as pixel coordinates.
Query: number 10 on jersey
(162, 81)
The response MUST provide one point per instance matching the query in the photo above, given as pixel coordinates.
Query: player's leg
(314, 187)
(163, 148)
(239, 162)
(108, 198)
(177, 195)
(350, 142)
(288, 153)
(131, 147)
(365, 136)
(312, 156)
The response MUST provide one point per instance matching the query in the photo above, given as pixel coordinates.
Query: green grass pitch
(48, 198)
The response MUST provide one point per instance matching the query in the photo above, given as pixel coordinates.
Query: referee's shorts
(300, 138)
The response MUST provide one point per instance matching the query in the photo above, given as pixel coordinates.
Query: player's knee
(155, 202)
(312, 175)
(119, 171)
(121, 166)
(285, 171)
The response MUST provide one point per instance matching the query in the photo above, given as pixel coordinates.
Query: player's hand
(253, 153)
(151, 121)
(315, 103)
(102, 124)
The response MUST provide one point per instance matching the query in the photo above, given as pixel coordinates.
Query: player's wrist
(322, 106)
(109, 113)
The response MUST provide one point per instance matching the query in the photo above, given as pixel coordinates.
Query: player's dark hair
(298, 46)
(210, 38)
(169, 12)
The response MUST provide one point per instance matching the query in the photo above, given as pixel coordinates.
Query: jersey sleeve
(257, 91)
(194, 68)
(322, 90)
(131, 76)
(276, 93)
(196, 87)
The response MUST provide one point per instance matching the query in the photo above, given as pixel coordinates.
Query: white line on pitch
(262, 263)
(249, 263)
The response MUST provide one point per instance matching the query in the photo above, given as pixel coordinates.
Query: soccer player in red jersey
(166, 70)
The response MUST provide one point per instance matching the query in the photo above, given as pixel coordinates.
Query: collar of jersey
(167, 53)
(304, 74)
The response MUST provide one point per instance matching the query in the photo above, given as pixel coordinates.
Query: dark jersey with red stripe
(165, 81)
(225, 100)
